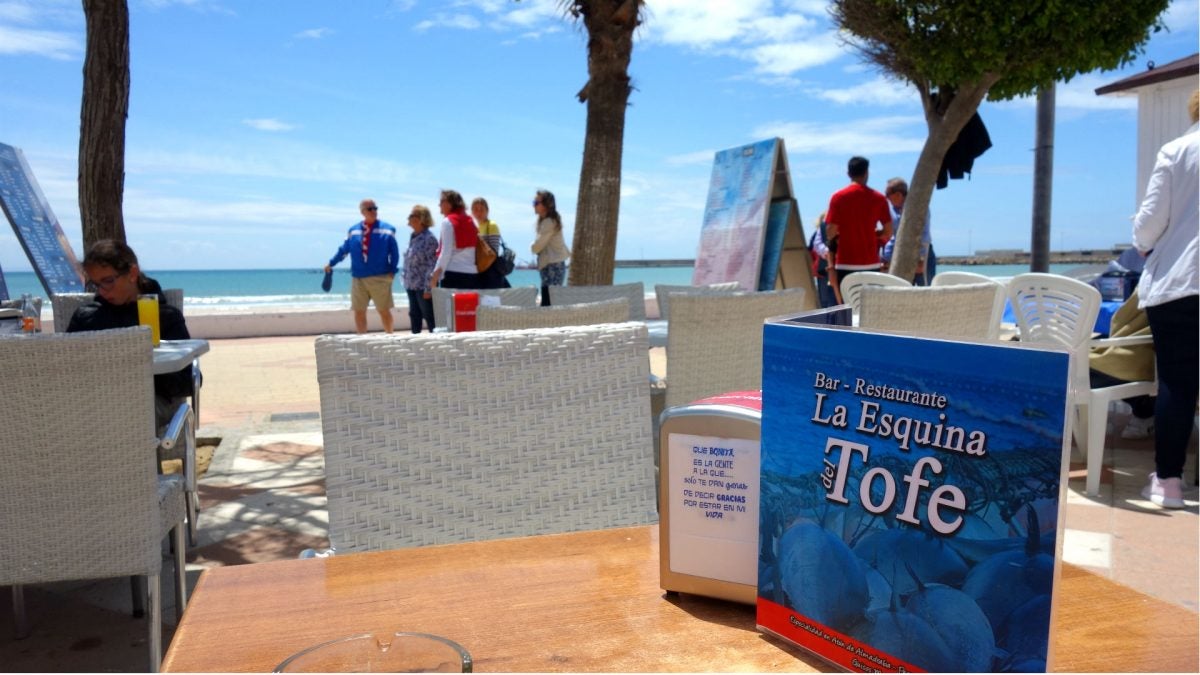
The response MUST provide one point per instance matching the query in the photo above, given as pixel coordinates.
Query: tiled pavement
(263, 499)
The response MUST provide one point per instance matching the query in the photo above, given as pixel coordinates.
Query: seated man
(112, 268)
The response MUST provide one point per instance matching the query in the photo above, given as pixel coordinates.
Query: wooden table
(586, 601)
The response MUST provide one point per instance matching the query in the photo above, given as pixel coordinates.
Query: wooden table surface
(587, 601)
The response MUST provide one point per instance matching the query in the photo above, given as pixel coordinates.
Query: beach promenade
(263, 500)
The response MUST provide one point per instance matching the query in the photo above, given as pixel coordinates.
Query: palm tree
(610, 25)
(102, 120)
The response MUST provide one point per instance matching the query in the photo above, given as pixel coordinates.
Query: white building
(1162, 92)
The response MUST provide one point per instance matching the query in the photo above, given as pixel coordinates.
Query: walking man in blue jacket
(374, 259)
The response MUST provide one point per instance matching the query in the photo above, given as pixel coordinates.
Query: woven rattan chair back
(583, 314)
(714, 342)
(967, 311)
(446, 437)
(443, 300)
(79, 494)
(573, 295)
(65, 305)
(663, 293)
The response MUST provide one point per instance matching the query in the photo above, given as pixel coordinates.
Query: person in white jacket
(1165, 231)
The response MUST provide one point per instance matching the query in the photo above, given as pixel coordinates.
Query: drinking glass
(148, 314)
(381, 653)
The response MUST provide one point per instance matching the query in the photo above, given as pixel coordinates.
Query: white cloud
(313, 33)
(1079, 95)
(1182, 16)
(782, 58)
(460, 21)
(700, 157)
(18, 12)
(873, 136)
(51, 44)
(881, 91)
(268, 124)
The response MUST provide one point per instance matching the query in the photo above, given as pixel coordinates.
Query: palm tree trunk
(102, 120)
(610, 25)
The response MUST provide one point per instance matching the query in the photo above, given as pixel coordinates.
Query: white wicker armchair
(436, 438)
(583, 314)
(714, 344)
(663, 293)
(443, 300)
(64, 305)
(79, 494)
(573, 295)
(966, 311)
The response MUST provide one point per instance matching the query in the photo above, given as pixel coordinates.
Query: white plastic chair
(853, 284)
(957, 278)
(1057, 310)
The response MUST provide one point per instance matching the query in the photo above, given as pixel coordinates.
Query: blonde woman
(551, 250)
(419, 260)
(489, 231)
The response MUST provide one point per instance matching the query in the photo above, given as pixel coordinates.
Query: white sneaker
(1167, 492)
(1138, 429)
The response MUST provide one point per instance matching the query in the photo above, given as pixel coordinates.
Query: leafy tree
(610, 25)
(956, 53)
(102, 120)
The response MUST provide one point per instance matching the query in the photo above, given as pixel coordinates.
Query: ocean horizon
(219, 291)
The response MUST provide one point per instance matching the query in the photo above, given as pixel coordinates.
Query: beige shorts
(377, 288)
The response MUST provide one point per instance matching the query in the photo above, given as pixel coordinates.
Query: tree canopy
(957, 53)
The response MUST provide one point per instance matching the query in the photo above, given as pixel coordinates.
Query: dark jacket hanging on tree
(972, 142)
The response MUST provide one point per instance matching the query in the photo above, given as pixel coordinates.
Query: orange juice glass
(148, 314)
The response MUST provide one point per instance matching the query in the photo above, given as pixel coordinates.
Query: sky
(256, 126)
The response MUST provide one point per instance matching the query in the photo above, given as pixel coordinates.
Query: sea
(240, 291)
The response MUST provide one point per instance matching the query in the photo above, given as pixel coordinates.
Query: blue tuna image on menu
(910, 509)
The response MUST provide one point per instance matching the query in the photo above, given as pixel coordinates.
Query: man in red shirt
(851, 220)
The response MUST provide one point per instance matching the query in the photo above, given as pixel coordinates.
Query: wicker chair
(714, 344)
(968, 311)
(437, 438)
(443, 300)
(574, 295)
(79, 494)
(852, 286)
(663, 292)
(583, 314)
(65, 305)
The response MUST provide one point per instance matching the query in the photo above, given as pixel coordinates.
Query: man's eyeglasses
(371, 208)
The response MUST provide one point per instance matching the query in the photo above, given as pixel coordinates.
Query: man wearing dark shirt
(112, 267)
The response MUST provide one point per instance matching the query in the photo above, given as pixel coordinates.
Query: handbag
(484, 255)
(507, 261)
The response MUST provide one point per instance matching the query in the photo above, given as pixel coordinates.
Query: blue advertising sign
(36, 227)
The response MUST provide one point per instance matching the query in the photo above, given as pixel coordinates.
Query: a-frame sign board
(752, 232)
(36, 227)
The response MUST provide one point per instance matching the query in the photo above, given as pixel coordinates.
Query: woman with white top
(1165, 231)
(455, 266)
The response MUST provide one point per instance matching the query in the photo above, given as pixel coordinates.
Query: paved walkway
(263, 499)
